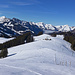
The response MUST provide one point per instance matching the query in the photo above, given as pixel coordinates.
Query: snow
(40, 25)
(41, 57)
(64, 28)
(49, 26)
(8, 23)
(2, 19)
(2, 40)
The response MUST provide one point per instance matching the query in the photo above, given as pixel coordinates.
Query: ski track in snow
(21, 69)
(41, 57)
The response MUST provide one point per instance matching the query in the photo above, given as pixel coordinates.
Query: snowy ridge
(15, 27)
(45, 26)
(2, 18)
(41, 57)
(63, 28)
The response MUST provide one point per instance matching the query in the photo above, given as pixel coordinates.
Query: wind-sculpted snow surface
(45, 56)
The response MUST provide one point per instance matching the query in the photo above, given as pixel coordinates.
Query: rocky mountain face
(73, 31)
(14, 27)
(63, 28)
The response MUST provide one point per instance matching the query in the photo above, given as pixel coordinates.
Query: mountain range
(14, 27)
(63, 28)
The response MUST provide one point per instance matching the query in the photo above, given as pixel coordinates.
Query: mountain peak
(2, 17)
(66, 25)
(19, 26)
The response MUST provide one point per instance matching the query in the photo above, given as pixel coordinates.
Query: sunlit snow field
(41, 57)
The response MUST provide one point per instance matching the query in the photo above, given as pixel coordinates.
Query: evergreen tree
(3, 53)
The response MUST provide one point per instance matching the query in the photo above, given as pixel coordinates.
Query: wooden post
(60, 62)
(66, 63)
(70, 63)
(55, 58)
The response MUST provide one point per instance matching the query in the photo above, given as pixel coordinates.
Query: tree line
(25, 38)
(68, 36)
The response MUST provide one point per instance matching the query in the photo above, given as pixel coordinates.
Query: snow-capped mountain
(41, 25)
(13, 27)
(45, 26)
(63, 28)
(4, 19)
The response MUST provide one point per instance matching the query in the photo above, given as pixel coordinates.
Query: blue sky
(55, 12)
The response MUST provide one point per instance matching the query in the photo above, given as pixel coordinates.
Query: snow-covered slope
(41, 57)
(50, 27)
(45, 26)
(40, 25)
(2, 40)
(64, 28)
